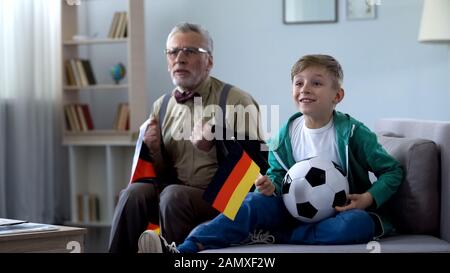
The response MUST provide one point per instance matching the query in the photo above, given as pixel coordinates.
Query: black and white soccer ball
(312, 188)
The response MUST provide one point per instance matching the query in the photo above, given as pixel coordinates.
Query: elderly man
(184, 159)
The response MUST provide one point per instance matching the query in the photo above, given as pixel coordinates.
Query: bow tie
(182, 97)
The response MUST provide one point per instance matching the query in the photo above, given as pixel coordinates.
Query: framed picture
(309, 11)
(361, 9)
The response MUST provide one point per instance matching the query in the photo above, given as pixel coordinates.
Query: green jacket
(359, 151)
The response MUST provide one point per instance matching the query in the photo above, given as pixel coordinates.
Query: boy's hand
(152, 136)
(357, 201)
(264, 185)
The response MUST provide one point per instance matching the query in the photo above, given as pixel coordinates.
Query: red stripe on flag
(232, 181)
(144, 169)
(153, 227)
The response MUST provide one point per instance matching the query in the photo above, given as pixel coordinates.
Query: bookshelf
(95, 38)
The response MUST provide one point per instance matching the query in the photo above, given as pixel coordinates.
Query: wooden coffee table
(64, 239)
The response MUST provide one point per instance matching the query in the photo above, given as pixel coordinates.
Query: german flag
(232, 181)
(142, 168)
(153, 227)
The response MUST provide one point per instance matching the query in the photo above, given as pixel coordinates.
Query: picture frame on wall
(361, 9)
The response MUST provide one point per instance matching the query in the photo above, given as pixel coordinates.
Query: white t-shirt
(308, 142)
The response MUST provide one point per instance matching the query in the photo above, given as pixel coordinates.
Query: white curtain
(31, 156)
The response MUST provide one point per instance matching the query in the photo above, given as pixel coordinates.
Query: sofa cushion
(414, 208)
(392, 244)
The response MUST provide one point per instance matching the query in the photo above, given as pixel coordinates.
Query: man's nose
(180, 57)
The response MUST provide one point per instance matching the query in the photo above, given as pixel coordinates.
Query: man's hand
(264, 185)
(152, 137)
(202, 136)
(357, 201)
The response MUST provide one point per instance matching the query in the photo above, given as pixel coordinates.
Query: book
(26, 228)
(88, 207)
(76, 73)
(89, 72)
(123, 27)
(82, 73)
(70, 76)
(121, 121)
(74, 116)
(120, 25)
(124, 117)
(70, 119)
(81, 117)
(113, 26)
(87, 116)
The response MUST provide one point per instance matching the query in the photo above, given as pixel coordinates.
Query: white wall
(388, 73)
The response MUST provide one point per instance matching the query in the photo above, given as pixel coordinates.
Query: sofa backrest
(439, 133)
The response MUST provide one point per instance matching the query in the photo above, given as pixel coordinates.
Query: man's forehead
(186, 39)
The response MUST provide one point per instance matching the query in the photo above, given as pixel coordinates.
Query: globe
(118, 72)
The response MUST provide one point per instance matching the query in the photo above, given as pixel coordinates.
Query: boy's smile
(307, 100)
(316, 95)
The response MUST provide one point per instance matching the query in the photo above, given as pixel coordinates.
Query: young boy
(317, 129)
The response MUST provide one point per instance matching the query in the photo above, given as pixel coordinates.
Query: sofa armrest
(439, 133)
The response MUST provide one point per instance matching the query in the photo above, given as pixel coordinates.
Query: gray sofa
(421, 207)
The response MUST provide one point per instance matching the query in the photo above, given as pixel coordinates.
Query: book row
(119, 25)
(79, 72)
(78, 117)
(88, 205)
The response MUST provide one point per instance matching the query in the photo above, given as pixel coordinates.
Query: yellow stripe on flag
(241, 191)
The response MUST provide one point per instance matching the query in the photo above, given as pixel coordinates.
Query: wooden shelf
(95, 41)
(100, 87)
(100, 137)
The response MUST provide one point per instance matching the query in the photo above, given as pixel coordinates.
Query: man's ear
(210, 62)
(339, 96)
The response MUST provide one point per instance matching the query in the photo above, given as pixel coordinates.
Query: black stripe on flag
(144, 154)
(223, 171)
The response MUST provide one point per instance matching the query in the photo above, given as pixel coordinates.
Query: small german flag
(232, 181)
(142, 168)
(153, 227)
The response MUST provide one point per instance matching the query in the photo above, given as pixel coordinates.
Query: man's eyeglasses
(188, 51)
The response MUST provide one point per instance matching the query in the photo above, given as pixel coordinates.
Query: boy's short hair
(319, 60)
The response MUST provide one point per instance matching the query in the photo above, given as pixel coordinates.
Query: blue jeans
(259, 212)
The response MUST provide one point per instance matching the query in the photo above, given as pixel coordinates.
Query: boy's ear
(339, 96)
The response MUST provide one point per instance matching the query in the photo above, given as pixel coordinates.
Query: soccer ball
(312, 188)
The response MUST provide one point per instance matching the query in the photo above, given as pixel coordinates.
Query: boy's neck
(316, 123)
